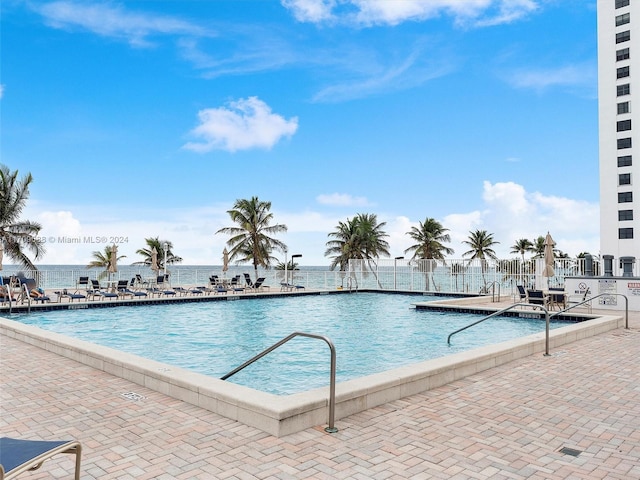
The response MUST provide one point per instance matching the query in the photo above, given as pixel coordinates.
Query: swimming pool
(372, 333)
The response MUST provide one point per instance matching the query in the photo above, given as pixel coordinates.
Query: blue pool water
(371, 332)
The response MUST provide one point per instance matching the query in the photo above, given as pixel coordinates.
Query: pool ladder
(332, 381)
(350, 281)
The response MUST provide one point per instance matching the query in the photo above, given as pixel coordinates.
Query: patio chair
(19, 456)
(557, 298)
(248, 281)
(521, 296)
(537, 297)
(82, 283)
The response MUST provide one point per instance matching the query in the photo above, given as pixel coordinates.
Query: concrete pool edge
(282, 415)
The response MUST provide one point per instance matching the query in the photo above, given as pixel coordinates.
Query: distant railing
(451, 275)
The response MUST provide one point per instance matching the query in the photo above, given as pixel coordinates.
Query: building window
(622, 54)
(625, 197)
(622, 3)
(624, 215)
(622, 19)
(623, 125)
(625, 233)
(622, 72)
(623, 89)
(624, 161)
(623, 36)
(624, 179)
(624, 143)
(623, 107)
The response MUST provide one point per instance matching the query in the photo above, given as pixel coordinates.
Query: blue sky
(150, 118)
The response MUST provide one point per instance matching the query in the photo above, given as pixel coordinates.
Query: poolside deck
(509, 422)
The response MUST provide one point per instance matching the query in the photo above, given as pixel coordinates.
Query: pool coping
(283, 415)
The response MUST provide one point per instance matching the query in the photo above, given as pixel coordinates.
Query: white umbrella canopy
(154, 260)
(548, 257)
(1, 254)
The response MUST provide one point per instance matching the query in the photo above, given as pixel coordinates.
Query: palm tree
(522, 246)
(250, 240)
(103, 260)
(481, 242)
(361, 237)
(429, 237)
(158, 245)
(16, 234)
(538, 247)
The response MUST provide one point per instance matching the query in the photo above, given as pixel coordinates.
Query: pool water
(371, 332)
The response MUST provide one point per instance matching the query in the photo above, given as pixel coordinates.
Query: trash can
(608, 265)
(626, 264)
(588, 265)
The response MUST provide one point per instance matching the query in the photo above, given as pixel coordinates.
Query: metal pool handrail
(588, 300)
(332, 383)
(546, 318)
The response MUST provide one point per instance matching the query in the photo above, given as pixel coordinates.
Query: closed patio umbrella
(113, 261)
(548, 257)
(225, 260)
(1, 254)
(154, 260)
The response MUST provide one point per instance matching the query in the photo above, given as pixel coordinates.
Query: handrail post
(499, 312)
(332, 381)
(546, 342)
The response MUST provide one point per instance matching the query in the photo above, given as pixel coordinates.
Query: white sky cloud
(507, 210)
(111, 20)
(579, 75)
(342, 200)
(246, 124)
(371, 12)
(310, 10)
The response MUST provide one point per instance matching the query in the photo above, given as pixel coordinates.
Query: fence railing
(457, 276)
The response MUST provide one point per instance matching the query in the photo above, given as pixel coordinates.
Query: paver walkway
(506, 423)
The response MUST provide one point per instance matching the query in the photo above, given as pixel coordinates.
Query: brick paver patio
(506, 423)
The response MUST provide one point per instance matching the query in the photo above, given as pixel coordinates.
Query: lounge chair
(289, 287)
(258, 285)
(235, 284)
(71, 296)
(248, 281)
(5, 291)
(97, 291)
(31, 291)
(187, 291)
(19, 456)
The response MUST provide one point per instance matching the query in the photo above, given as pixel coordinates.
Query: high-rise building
(619, 125)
